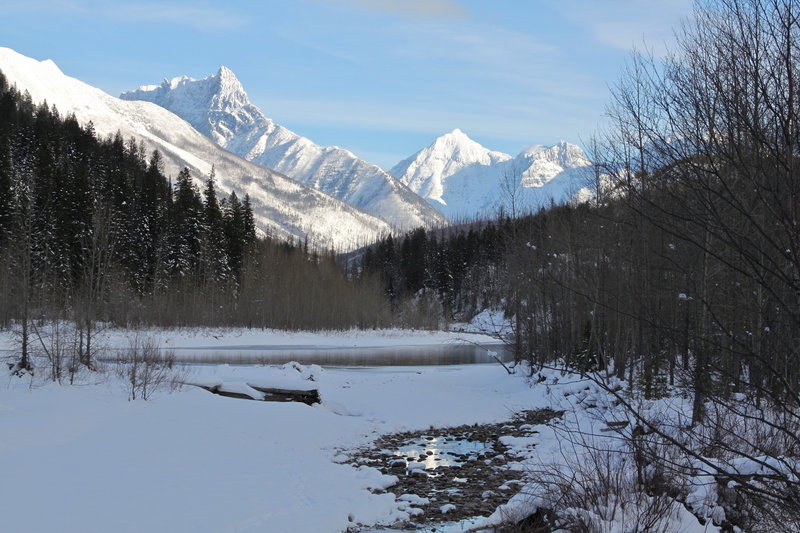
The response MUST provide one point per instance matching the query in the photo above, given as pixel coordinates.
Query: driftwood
(308, 397)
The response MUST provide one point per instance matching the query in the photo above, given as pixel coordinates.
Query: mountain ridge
(282, 207)
(465, 180)
(219, 107)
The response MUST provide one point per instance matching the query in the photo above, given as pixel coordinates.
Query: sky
(382, 78)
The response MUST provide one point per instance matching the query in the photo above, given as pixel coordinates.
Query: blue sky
(382, 78)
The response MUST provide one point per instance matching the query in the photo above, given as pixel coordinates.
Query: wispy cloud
(416, 8)
(623, 24)
(488, 79)
(485, 54)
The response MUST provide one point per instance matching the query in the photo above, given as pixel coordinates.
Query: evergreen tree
(181, 246)
(6, 179)
(248, 222)
(214, 258)
(235, 233)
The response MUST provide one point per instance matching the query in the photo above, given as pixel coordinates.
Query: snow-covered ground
(185, 338)
(82, 458)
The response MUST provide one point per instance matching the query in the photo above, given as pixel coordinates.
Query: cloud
(623, 24)
(485, 78)
(416, 8)
(479, 54)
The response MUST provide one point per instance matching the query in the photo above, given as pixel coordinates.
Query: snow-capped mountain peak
(224, 73)
(458, 146)
(218, 106)
(427, 171)
(49, 64)
(463, 179)
(538, 165)
(454, 138)
(230, 93)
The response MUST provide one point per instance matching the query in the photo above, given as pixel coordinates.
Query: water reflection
(451, 354)
(435, 452)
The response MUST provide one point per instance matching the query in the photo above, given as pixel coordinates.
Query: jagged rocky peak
(216, 105)
(230, 92)
(224, 73)
(224, 84)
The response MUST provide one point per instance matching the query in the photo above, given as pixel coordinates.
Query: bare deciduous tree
(145, 368)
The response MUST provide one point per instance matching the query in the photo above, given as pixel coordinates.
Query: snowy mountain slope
(463, 180)
(427, 171)
(218, 107)
(281, 206)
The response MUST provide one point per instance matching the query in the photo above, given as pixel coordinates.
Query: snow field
(84, 459)
(195, 461)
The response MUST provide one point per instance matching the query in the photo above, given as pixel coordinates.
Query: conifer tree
(6, 170)
(182, 244)
(214, 258)
(248, 222)
(235, 233)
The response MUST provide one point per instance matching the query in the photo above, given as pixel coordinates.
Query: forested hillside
(92, 230)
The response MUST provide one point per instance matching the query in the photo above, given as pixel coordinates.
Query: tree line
(458, 266)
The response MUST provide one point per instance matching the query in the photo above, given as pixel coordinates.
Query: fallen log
(216, 389)
(270, 394)
(308, 397)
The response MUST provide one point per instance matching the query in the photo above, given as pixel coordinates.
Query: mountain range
(282, 207)
(298, 189)
(464, 180)
(459, 178)
(219, 107)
